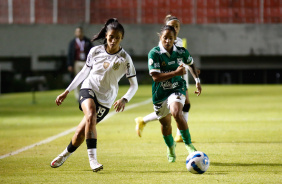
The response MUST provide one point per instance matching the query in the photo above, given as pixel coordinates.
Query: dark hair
(170, 28)
(109, 25)
(169, 18)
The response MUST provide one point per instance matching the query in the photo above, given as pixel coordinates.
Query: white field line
(70, 131)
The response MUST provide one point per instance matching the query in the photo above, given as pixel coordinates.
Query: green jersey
(159, 60)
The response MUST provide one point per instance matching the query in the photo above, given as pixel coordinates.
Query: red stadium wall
(140, 11)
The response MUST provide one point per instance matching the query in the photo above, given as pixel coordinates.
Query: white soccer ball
(197, 162)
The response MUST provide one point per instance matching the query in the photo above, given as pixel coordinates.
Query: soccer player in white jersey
(106, 64)
(142, 121)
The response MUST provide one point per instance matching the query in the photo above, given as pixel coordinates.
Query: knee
(90, 117)
(176, 114)
(166, 126)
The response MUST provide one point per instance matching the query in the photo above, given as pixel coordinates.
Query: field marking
(69, 131)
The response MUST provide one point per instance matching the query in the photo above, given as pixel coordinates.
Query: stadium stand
(233, 41)
(137, 11)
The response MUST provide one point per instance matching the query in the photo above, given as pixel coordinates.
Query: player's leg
(167, 135)
(176, 104)
(142, 121)
(76, 141)
(89, 110)
(185, 111)
(164, 117)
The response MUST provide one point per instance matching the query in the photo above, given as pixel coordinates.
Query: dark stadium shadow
(243, 164)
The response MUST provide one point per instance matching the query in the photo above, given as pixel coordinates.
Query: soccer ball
(197, 162)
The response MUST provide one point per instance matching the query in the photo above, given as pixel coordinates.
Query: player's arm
(120, 104)
(158, 77)
(194, 73)
(76, 81)
(131, 76)
(190, 62)
(155, 70)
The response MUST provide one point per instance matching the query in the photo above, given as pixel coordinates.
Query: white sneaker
(59, 160)
(95, 166)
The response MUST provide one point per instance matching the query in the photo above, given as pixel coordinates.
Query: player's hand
(180, 70)
(119, 105)
(199, 89)
(59, 100)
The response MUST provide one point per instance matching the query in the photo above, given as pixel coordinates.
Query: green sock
(169, 140)
(186, 136)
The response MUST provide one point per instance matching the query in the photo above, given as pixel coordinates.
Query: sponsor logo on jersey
(151, 61)
(158, 52)
(171, 62)
(180, 51)
(163, 63)
(98, 51)
(122, 54)
(169, 85)
(106, 65)
(179, 61)
(157, 65)
(116, 66)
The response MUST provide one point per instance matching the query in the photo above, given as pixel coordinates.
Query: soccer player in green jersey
(142, 121)
(166, 66)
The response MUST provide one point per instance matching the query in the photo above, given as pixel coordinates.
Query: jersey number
(101, 111)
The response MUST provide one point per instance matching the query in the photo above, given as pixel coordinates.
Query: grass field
(238, 126)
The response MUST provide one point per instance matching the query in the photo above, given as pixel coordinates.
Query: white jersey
(178, 42)
(106, 71)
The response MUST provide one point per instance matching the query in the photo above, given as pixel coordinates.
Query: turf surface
(237, 126)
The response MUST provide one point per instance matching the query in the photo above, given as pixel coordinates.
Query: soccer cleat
(190, 148)
(95, 166)
(59, 160)
(171, 153)
(178, 138)
(139, 125)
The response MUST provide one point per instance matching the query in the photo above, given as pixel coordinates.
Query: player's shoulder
(181, 50)
(123, 54)
(178, 42)
(96, 50)
(155, 50)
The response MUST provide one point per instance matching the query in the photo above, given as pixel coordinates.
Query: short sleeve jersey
(159, 60)
(106, 71)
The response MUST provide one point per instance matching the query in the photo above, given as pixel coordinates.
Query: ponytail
(109, 25)
(169, 18)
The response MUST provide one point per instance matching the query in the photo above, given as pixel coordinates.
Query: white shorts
(162, 109)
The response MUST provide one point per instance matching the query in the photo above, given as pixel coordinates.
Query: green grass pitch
(237, 126)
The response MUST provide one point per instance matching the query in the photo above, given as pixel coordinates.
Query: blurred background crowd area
(139, 11)
(232, 41)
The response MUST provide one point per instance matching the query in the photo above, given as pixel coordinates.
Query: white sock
(178, 132)
(150, 117)
(185, 114)
(92, 154)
